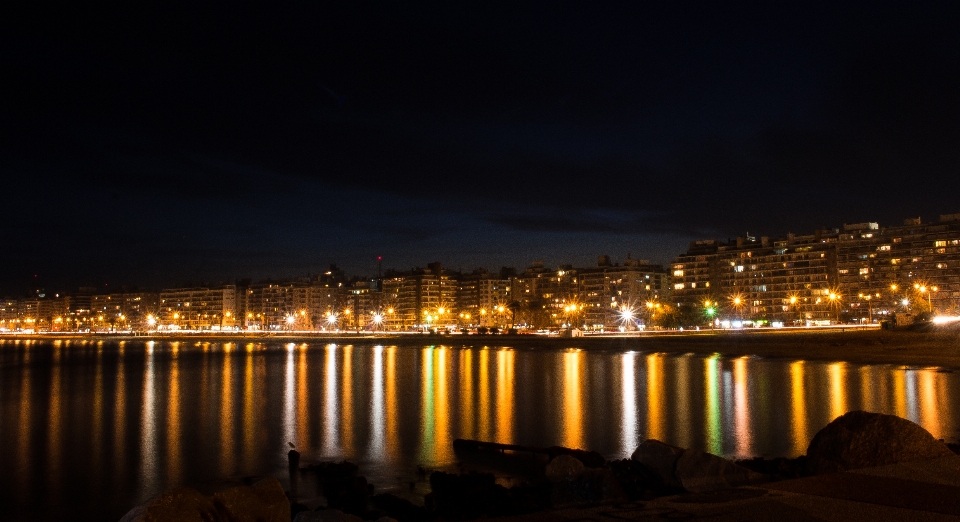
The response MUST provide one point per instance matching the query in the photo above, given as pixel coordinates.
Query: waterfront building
(912, 267)
(122, 311)
(480, 295)
(198, 308)
(425, 297)
(860, 273)
(788, 280)
(615, 296)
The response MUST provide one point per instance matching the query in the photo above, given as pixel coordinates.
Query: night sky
(162, 147)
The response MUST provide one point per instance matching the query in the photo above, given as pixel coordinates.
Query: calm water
(89, 429)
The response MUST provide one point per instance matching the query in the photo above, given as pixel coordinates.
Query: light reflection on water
(92, 428)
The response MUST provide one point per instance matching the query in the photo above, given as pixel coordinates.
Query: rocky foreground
(571, 478)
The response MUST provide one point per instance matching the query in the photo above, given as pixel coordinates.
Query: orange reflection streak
(97, 449)
(174, 457)
(466, 394)
(484, 416)
(442, 432)
(683, 415)
(346, 403)
(572, 407)
(928, 403)
(226, 417)
(799, 408)
(427, 427)
(24, 435)
(655, 397)
(120, 421)
(838, 399)
(393, 435)
(900, 394)
(505, 404)
(249, 421)
(148, 427)
(867, 396)
(742, 408)
(55, 442)
(303, 405)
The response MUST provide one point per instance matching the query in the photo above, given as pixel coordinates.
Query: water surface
(90, 428)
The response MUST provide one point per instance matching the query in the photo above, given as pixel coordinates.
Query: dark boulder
(860, 439)
(692, 470)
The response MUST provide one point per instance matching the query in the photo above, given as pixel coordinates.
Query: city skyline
(825, 276)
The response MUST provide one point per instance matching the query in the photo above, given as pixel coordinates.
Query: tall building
(913, 266)
(425, 298)
(616, 296)
(198, 308)
(859, 273)
(480, 295)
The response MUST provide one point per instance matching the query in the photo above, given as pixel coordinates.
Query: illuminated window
(883, 248)
(895, 261)
(941, 265)
(678, 273)
(738, 268)
(897, 239)
(940, 243)
(941, 250)
(864, 271)
(678, 286)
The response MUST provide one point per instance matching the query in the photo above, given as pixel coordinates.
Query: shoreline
(851, 345)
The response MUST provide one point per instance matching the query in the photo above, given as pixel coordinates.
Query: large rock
(264, 502)
(692, 470)
(700, 472)
(860, 439)
(178, 505)
(661, 458)
(563, 467)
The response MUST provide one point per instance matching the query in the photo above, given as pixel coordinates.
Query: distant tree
(514, 307)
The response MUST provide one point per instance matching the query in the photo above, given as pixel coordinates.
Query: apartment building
(615, 295)
(198, 308)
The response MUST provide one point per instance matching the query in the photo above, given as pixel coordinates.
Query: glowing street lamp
(835, 302)
(923, 289)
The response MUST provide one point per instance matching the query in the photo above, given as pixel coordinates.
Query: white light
(943, 319)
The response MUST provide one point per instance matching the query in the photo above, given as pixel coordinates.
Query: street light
(834, 302)
(924, 290)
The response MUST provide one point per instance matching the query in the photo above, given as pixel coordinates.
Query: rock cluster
(693, 470)
(572, 477)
